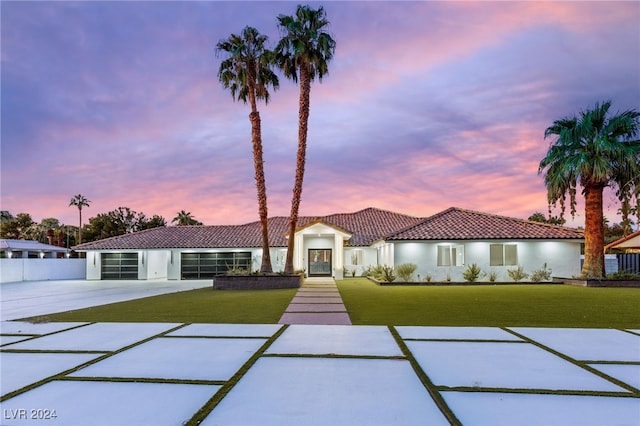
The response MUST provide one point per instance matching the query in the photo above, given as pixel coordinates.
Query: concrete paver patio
(157, 374)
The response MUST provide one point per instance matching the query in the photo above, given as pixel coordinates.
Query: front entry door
(320, 262)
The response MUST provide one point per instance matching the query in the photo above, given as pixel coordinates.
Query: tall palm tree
(184, 218)
(247, 72)
(595, 151)
(303, 54)
(79, 201)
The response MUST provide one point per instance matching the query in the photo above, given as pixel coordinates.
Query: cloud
(426, 105)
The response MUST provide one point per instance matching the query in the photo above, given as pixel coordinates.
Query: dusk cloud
(427, 105)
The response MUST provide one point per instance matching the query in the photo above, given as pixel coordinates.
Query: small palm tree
(79, 201)
(303, 54)
(595, 151)
(184, 218)
(247, 72)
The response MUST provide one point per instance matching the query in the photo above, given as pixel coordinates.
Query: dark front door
(320, 262)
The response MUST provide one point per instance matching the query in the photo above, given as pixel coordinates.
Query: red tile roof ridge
(622, 240)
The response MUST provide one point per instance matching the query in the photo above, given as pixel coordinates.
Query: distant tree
(79, 201)
(41, 231)
(121, 221)
(303, 53)
(538, 217)
(17, 227)
(594, 151)
(184, 218)
(5, 216)
(612, 232)
(155, 222)
(552, 220)
(247, 72)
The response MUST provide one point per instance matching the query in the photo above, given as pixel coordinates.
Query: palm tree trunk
(303, 122)
(261, 186)
(80, 227)
(594, 232)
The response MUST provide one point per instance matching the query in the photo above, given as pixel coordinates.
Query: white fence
(12, 270)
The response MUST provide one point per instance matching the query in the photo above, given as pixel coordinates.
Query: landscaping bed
(597, 282)
(256, 282)
(456, 283)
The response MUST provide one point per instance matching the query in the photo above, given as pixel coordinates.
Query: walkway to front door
(316, 302)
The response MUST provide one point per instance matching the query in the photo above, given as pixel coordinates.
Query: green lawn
(195, 306)
(491, 305)
(368, 303)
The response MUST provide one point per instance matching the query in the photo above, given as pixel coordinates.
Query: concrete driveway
(33, 298)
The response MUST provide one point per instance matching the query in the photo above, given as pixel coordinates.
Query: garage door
(208, 265)
(119, 266)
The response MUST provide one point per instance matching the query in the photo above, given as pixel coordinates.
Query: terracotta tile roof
(371, 224)
(460, 224)
(367, 226)
(630, 244)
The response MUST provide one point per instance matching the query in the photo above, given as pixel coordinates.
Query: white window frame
(450, 255)
(357, 257)
(507, 252)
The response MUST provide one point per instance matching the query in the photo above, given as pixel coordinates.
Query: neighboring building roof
(460, 224)
(631, 241)
(366, 226)
(29, 245)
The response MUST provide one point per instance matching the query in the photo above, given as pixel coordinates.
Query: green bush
(623, 276)
(542, 274)
(493, 276)
(472, 273)
(366, 272)
(517, 274)
(377, 272)
(388, 274)
(405, 271)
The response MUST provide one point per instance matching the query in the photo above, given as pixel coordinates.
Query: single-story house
(29, 249)
(627, 244)
(442, 246)
(627, 253)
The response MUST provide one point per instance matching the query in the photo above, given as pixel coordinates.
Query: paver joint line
(579, 363)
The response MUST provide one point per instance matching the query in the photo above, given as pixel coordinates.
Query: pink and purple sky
(427, 105)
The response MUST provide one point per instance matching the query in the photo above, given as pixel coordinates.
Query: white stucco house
(442, 245)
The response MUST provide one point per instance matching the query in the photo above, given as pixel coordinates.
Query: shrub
(472, 273)
(493, 276)
(542, 274)
(624, 276)
(388, 274)
(517, 274)
(405, 271)
(377, 272)
(428, 278)
(366, 272)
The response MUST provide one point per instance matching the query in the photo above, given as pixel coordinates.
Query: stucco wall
(13, 270)
(369, 258)
(155, 264)
(563, 258)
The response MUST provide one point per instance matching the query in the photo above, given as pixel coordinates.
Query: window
(450, 255)
(356, 258)
(503, 254)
